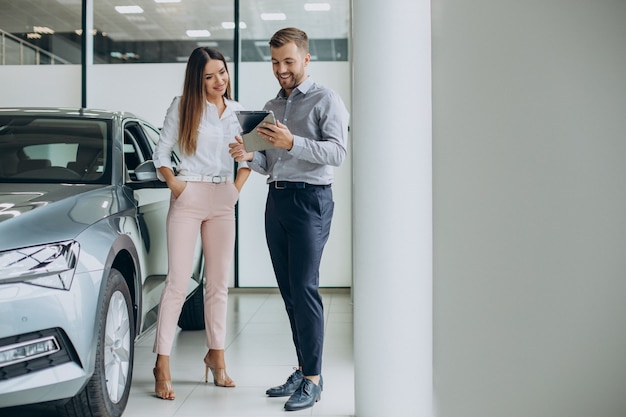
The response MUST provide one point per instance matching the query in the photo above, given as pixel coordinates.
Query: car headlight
(52, 265)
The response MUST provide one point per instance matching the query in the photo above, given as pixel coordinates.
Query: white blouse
(214, 135)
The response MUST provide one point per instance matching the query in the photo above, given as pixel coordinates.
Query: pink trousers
(208, 209)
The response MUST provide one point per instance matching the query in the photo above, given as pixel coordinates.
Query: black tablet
(249, 120)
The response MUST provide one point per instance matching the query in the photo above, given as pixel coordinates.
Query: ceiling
(170, 21)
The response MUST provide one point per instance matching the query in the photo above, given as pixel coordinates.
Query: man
(309, 139)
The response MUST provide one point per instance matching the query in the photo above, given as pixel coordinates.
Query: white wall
(40, 85)
(148, 89)
(529, 101)
(144, 89)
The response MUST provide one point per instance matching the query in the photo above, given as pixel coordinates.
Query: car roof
(65, 112)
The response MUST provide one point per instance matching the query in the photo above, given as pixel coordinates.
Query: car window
(153, 135)
(134, 152)
(46, 149)
(60, 154)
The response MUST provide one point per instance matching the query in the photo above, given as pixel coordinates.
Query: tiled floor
(259, 354)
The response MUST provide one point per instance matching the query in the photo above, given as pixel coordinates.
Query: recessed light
(273, 16)
(316, 7)
(93, 32)
(231, 25)
(201, 33)
(43, 29)
(167, 1)
(128, 9)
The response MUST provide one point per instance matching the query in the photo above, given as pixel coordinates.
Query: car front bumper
(56, 318)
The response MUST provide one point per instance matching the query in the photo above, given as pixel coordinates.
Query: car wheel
(192, 314)
(106, 393)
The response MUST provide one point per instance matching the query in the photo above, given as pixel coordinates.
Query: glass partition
(164, 31)
(38, 32)
(152, 31)
(326, 23)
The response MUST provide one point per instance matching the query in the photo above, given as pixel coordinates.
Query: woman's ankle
(216, 357)
(162, 363)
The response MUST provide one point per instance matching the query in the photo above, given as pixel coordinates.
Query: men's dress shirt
(214, 134)
(318, 120)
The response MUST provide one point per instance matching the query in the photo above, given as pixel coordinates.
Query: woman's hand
(242, 177)
(238, 152)
(176, 186)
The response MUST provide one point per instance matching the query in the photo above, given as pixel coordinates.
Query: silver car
(82, 256)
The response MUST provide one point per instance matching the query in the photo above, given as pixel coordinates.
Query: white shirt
(214, 135)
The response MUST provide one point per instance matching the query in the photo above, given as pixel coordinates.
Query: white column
(392, 186)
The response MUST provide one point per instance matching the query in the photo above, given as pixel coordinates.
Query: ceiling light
(168, 9)
(33, 36)
(231, 25)
(128, 9)
(316, 7)
(273, 16)
(201, 33)
(43, 29)
(93, 32)
(136, 18)
(123, 56)
(167, 1)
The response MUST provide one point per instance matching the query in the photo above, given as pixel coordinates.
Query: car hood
(31, 214)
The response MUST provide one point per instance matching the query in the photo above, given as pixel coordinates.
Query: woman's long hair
(192, 102)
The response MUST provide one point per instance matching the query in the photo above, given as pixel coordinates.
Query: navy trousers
(297, 225)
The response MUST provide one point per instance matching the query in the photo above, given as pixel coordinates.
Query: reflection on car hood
(31, 214)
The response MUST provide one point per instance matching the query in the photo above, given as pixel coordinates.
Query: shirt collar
(303, 87)
(212, 106)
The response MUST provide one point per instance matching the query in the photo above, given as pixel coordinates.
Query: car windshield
(54, 149)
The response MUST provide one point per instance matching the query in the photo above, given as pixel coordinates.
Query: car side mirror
(146, 171)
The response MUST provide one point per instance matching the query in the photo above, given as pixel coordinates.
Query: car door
(152, 199)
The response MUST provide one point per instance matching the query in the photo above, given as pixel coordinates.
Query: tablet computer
(249, 120)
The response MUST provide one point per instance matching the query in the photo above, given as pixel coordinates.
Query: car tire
(106, 393)
(192, 314)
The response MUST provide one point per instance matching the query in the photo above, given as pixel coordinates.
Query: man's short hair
(286, 35)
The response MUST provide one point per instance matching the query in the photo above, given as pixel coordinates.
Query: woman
(201, 123)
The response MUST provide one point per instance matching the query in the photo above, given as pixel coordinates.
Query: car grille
(65, 353)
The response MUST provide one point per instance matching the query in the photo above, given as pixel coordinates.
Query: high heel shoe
(163, 387)
(220, 378)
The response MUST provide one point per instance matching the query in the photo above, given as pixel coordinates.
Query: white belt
(215, 179)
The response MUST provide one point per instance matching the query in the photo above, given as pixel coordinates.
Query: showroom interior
(476, 262)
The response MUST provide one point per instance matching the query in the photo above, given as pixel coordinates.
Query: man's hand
(278, 135)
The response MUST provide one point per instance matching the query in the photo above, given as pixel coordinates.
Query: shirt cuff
(298, 146)
(255, 159)
(157, 165)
